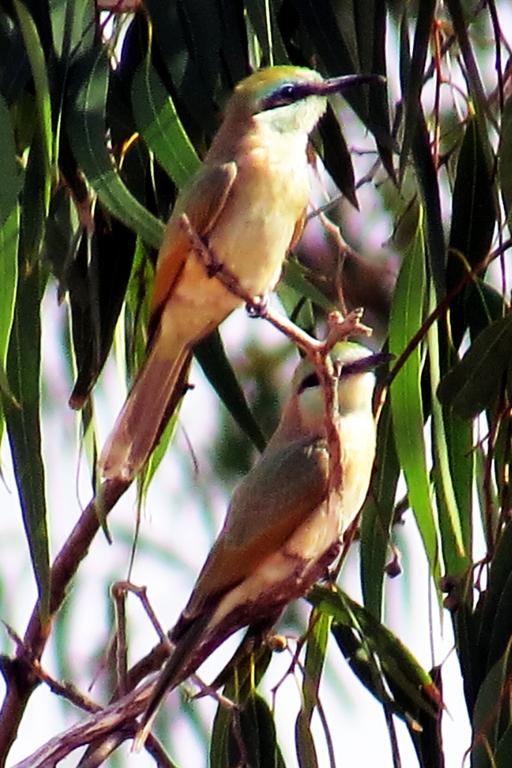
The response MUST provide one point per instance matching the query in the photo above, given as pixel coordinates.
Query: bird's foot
(258, 306)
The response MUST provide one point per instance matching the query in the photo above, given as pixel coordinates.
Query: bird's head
(288, 98)
(354, 368)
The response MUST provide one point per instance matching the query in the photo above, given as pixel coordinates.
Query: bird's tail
(157, 391)
(188, 654)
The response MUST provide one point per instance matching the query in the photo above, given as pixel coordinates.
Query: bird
(246, 205)
(285, 522)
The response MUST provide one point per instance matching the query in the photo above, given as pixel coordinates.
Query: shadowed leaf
(473, 384)
(377, 515)
(87, 135)
(23, 421)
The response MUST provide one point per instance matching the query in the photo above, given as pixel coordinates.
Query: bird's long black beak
(367, 363)
(338, 84)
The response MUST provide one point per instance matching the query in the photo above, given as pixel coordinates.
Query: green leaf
(381, 661)
(336, 42)
(473, 212)
(455, 553)
(377, 515)
(262, 16)
(473, 220)
(97, 278)
(35, 54)
(474, 383)
(14, 64)
(296, 276)
(256, 737)
(505, 158)
(501, 627)
(219, 738)
(23, 422)
(318, 635)
(498, 580)
(73, 25)
(9, 237)
(460, 440)
(34, 202)
(87, 135)
(490, 702)
(10, 171)
(304, 742)
(461, 18)
(336, 155)
(406, 402)
(213, 360)
(160, 125)
(193, 71)
(412, 75)
(430, 197)
(370, 20)
(504, 749)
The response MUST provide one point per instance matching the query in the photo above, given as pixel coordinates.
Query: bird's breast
(257, 225)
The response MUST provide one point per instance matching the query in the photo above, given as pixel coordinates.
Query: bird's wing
(279, 493)
(202, 201)
(299, 228)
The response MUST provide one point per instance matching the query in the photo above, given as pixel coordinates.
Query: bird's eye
(311, 380)
(286, 94)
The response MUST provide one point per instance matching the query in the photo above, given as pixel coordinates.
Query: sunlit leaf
(407, 313)
(317, 637)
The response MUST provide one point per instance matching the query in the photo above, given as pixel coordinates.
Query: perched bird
(246, 205)
(285, 522)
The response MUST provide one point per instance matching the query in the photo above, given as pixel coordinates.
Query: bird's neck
(237, 139)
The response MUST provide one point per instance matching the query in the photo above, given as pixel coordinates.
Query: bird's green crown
(277, 86)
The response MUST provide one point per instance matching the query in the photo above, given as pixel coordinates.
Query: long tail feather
(148, 407)
(187, 655)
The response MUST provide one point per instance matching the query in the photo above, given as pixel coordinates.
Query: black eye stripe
(286, 94)
(311, 380)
